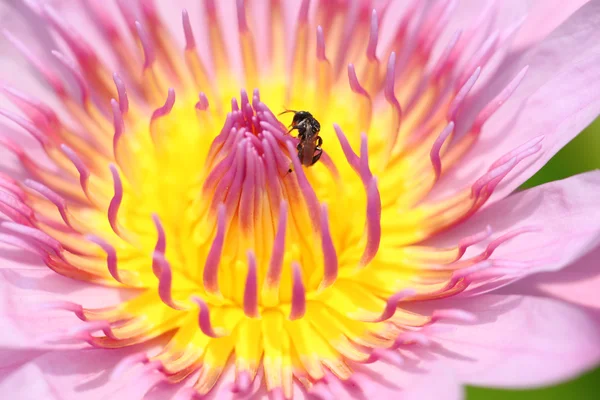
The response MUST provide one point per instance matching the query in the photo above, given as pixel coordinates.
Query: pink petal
(20, 20)
(579, 283)
(544, 16)
(510, 11)
(536, 18)
(540, 16)
(558, 98)
(27, 383)
(434, 382)
(23, 321)
(519, 341)
(76, 374)
(564, 217)
(25, 295)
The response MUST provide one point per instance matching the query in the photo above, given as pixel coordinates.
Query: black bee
(309, 147)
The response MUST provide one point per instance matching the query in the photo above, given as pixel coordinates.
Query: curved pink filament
(51, 77)
(275, 265)
(35, 234)
(122, 92)
(390, 97)
(190, 42)
(434, 154)
(53, 197)
(518, 151)
(115, 202)
(251, 288)
(320, 44)
(355, 85)
(111, 256)
(500, 99)
(27, 125)
(147, 47)
(391, 305)
(84, 172)
(365, 169)
(307, 191)
(204, 319)
(79, 79)
(351, 157)
(444, 62)
(202, 103)
(76, 43)
(211, 266)
(165, 280)
(22, 243)
(118, 124)
(330, 259)
(162, 111)
(373, 223)
(161, 241)
(460, 97)
(481, 57)
(241, 16)
(373, 37)
(298, 293)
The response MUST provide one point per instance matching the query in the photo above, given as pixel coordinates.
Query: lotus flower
(165, 239)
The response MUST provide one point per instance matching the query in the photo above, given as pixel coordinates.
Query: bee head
(300, 116)
(316, 126)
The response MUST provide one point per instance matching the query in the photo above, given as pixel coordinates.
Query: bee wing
(308, 151)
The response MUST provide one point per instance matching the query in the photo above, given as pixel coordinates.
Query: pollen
(171, 178)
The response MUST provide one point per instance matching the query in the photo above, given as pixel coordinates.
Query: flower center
(230, 221)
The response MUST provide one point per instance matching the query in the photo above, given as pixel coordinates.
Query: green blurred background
(582, 154)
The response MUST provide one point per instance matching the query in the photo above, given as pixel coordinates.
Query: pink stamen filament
(115, 203)
(111, 256)
(149, 53)
(436, 160)
(278, 252)
(298, 293)
(204, 319)
(53, 197)
(122, 91)
(79, 79)
(462, 94)
(161, 112)
(165, 280)
(52, 78)
(211, 267)
(495, 104)
(251, 288)
(373, 37)
(330, 260)
(392, 305)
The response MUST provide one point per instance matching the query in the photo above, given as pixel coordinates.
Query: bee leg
(290, 169)
(296, 127)
(318, 154)
(319, 142)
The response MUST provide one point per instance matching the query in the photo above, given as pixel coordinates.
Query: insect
(309, 147)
